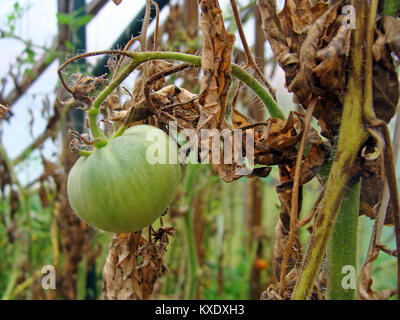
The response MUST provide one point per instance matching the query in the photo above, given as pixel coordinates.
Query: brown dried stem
(158, 76)
(126, 48)
(250, 59)
(390, 175)
(295, 197)
(157, 23)
(85, 55)
(145, 24)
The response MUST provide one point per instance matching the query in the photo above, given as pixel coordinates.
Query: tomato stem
(140, 57)
(342, 249)
(84, 153)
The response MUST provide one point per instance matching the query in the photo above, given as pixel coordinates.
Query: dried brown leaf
(386, 90)
(83, 86)
(3, 111)
(216, 64)
(273, 30)
(309, 47)
(330, 73)
(365, 291)
(134, 264)
(392, 33)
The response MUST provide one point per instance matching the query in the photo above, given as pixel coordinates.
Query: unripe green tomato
(117, 189)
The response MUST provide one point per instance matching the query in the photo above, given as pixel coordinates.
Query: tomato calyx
(100, 143)
(85, 153)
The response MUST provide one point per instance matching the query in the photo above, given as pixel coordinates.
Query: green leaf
(73, 20)
(69, 45)
(64, 18)
(82, 21)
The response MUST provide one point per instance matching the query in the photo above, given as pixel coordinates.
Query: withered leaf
(330, 73)
(216, 62)
(309, 47)
(386, 90)
(279, 134)
(3, 111)
(125, 276)
(239, 119)
(365, 291)
(83, 86)
(392, 33)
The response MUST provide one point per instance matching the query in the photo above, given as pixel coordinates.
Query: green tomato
(117, 188)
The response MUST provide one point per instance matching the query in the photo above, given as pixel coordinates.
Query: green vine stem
(189, 233)
(351, 138)
(84, 153)
(141, 57)
(342, 249)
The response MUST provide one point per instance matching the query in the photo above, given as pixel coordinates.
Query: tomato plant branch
(342, 249)
(351, 137)
(126, 48)
(237, 72)
(140, 57)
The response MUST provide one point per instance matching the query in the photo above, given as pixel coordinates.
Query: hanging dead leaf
(392, 33)
(134, 264)
(216, 62)
(386, 90)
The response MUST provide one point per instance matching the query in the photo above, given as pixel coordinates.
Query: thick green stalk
(351, 137)
(259, 90)
(342, 250)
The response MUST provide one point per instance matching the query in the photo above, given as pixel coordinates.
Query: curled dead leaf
(392, 33)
